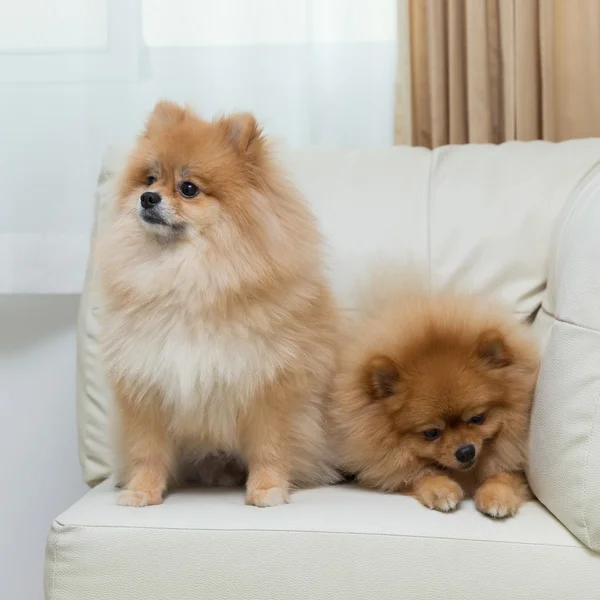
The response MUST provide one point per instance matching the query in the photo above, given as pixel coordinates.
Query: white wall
(40, 474)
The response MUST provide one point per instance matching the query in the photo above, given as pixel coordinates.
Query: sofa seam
(565, 322)
(318, 532)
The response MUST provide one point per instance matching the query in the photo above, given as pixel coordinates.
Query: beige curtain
(496, 70)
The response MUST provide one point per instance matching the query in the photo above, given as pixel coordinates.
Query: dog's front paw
(497, 500)
(139, 498)
(267, 497)
(439, 493)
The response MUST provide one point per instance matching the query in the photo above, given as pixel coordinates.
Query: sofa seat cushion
(340, 542)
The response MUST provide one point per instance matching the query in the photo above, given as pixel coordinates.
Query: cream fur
(221, 338)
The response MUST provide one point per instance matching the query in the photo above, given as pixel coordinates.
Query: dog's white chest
(193, 365)
(206, 376)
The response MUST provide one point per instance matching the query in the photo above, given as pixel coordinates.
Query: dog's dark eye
(477, 419)
(151, 179)
(432, 434)
(188, 189)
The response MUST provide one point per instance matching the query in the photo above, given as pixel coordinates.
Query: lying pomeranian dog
(219, 328)
(433, 399)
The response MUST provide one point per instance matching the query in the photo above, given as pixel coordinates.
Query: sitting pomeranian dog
(433, 399)
(219, 328)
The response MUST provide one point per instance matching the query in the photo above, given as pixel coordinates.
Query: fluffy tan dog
(433, 399)
(219, 326)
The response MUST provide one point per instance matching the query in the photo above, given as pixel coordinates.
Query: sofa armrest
(564, 468)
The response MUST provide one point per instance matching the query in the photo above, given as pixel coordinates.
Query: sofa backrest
(478, 216)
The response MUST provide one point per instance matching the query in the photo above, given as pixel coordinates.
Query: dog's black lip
(468, 465)
(464, 467)
(176, 229)
(154, 219)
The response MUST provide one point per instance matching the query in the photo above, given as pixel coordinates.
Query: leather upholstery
(336, 543)
(483, 217)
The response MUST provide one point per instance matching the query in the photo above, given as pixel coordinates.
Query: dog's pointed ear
(243, 130)
(493, 349)
(383, 376)
(164, 115)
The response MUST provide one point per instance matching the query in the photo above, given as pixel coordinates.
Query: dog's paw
(138, 498)
(440, 493)
(267, 497)
(497, 500)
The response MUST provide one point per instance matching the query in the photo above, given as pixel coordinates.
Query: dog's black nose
(149, 199)
(465, 454)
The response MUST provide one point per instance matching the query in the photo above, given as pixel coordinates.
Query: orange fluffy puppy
(219, 328)
(433, 399)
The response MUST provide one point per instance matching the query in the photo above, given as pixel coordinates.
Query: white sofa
(521, 221)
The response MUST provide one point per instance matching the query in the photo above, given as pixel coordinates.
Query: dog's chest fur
(205, 369)
(205, 374)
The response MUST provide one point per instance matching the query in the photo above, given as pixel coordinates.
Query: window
(38, 26)
(263, 22)
(69, 40)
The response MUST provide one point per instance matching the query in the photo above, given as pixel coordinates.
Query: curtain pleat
(457, 76)
(496, 70)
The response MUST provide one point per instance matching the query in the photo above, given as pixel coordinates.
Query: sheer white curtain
(79, 75)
